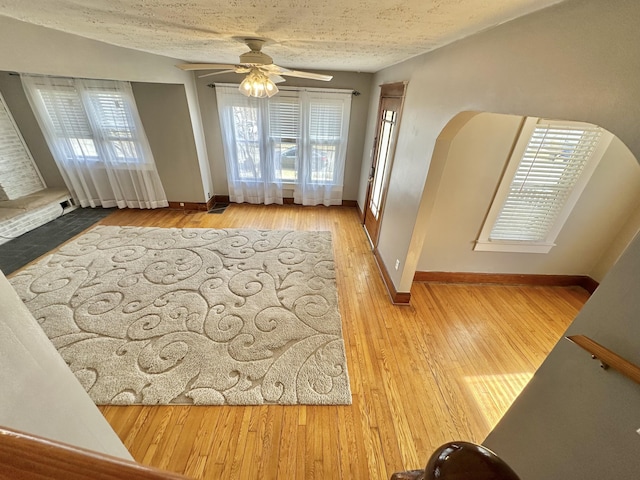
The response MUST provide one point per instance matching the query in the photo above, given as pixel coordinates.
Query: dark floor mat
(18, 252)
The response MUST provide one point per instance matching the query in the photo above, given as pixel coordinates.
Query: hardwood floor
(444, 368)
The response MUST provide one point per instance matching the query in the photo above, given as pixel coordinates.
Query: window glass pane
(285, 155)
(323, 160)
(84, 148)
(384, 143)
(112, 118)
(247, 145)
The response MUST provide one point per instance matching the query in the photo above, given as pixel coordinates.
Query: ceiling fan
(262, 73)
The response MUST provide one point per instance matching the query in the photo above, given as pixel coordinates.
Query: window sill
(513, 247)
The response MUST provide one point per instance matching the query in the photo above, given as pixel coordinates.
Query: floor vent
(218, 207)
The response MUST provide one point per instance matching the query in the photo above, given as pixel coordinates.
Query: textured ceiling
(352, 35)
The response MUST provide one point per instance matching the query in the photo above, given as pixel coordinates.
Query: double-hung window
(91, 121)
(296, 140)
(97, 139)
(550, 166)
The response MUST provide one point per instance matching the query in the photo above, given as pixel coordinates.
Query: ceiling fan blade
(277, 79)
(272, 69)
(216, 73)
(309, 75)
(205, 66)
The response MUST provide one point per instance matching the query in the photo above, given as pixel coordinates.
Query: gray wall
(29, 48)
(574, 420)
(32, 49)
(165, 116)
(359, 107)
(578, 60)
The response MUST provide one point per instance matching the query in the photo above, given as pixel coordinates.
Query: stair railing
(23, 456)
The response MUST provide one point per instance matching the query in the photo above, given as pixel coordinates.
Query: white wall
(617, 246)
(40, 395)
(473, 163)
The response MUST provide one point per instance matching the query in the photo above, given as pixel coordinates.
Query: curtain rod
(355, 93)
(68, 78)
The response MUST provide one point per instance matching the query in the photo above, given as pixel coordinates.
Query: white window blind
(18, 173)
(284, 118)
(552, 163)
(326, 120)
(70, 116)
(550, 166)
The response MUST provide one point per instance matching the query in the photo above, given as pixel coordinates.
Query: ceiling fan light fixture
(257, 84)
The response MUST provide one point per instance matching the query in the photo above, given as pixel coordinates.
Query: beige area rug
(194, 316)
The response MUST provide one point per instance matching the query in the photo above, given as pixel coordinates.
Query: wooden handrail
(25, 456)
(607, 357)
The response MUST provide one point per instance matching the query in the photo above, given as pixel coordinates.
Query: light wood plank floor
(447, 367)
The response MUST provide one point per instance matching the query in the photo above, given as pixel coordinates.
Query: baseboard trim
(201, 207)
(225, 199)
(288, 201)
(584, 281)
(397, 298)
(589, 284)
(221, 199)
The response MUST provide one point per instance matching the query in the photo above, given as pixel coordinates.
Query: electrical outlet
(182, 204)
(397, 264)
(638, 431)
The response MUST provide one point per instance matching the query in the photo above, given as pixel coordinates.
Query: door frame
(387, 90)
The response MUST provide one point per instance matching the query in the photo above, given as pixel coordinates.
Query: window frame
(484, 241)
(97, 132)
(303, 142)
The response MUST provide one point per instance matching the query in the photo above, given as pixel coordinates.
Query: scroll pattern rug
(194, 316)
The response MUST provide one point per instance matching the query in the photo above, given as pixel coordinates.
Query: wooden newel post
(461, 461)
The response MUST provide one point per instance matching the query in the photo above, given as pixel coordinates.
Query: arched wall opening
(467, 165)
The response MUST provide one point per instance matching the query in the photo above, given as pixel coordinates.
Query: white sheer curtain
(97, 140)
(324, 138)
(244, 123)
(296, 139)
